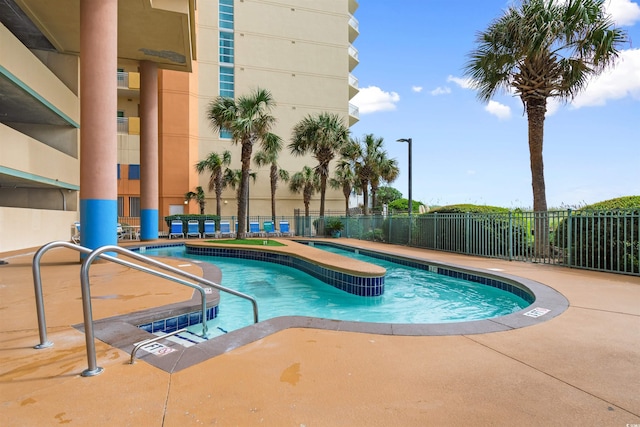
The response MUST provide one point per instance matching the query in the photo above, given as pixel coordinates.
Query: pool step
(185, 339)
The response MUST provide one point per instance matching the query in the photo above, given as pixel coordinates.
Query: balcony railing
(353, 28)
(123, 125)
(123, 80)
(353, 52)
(354, 111)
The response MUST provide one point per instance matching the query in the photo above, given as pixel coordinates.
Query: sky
(411, 59)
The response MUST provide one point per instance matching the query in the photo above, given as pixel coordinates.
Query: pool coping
(122, 331)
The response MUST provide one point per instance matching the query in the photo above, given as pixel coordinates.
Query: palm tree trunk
(244, 187)
(274, 184)
(365, 197)
(536, 109)
(323, 190)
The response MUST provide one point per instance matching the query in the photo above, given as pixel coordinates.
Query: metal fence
(597, 240)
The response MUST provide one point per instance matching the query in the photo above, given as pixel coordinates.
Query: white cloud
(623, 12)
(463, 83)
(501, 111)
(417, 89)
(440, 91)
(618, 82)
(371, 99)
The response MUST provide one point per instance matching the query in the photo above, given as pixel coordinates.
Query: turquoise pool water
(411, 295)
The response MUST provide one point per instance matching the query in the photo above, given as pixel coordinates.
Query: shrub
(187, 217)
(605, 235)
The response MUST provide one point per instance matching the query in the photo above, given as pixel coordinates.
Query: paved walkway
(581, 368)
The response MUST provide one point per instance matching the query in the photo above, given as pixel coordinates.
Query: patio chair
(254, 229)
(209, 228)
(193, 228)
(284, 229)
(76, 237)
(269, 229)
(120, 231)
(225, 229)
(176, 228)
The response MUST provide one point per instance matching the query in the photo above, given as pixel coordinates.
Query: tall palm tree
(543, 49)
(198, 196)
(249, 120)
(269, 156)
(323, 135)
(214, 164)
(364, 155)
(385, 170)
(344, 179)
(306, 181)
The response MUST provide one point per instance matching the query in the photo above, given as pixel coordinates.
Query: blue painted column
(98, 127)
(148, 150)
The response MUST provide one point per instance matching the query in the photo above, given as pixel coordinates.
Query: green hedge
(604, 235)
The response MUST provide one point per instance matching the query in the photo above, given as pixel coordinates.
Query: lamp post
(248, 219)
(408, 140)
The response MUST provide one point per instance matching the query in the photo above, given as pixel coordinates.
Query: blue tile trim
(172, 324)
(489, 281)
(357, 285)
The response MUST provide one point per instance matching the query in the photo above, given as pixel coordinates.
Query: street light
(248, 218)
(408, 140)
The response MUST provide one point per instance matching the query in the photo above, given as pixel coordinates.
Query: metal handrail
(93, 369)
(152, 340)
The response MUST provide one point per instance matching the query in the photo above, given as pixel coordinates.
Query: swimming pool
(412, 296)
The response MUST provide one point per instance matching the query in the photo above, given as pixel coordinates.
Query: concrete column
(148, 150)
(98, 127)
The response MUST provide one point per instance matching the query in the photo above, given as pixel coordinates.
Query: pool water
(411, 295)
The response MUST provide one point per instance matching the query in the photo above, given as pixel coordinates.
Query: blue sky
(412, 54)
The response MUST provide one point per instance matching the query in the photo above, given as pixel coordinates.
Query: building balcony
(128, 84)
(353, 6)
(353, 57)
(354, 114)
(353, 86)
(354, 29)
(129, 125)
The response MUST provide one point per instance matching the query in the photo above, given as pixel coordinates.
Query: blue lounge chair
(254, 229)
(284, 228)
(193, 229)
(270, 229)
(176, 228)
(209, 228)
(225, 229)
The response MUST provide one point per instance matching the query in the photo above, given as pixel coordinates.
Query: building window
(134, 171)
(227, 84)
(225, 10)
(120, 206)
(225, 134)
(118, 170)
(134, 206)
(226, 47)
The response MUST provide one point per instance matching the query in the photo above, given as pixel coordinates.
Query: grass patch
(253, 242)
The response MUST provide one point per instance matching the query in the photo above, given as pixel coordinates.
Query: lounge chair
(193, 228)
(76, 237)
(120, 231)
(270, 229)
(209, 228)
(225, 229)
(254, 229)
(284, 228)
(176, 228)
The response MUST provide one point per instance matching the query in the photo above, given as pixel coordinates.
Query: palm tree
(233, 178)
(214, 164)
(364, 156)
(269, 156)
(386, 170)
(249, 120)
(344, 179)
(306, 181)
(198, 196)
(323, 135)
(543, 49)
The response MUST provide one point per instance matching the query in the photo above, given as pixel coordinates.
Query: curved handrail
(86, 293)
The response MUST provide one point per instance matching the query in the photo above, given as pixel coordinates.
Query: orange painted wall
(178, 145)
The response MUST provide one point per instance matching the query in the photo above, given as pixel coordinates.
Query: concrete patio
(578, 368)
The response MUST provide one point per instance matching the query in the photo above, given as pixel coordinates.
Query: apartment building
(300, 50)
